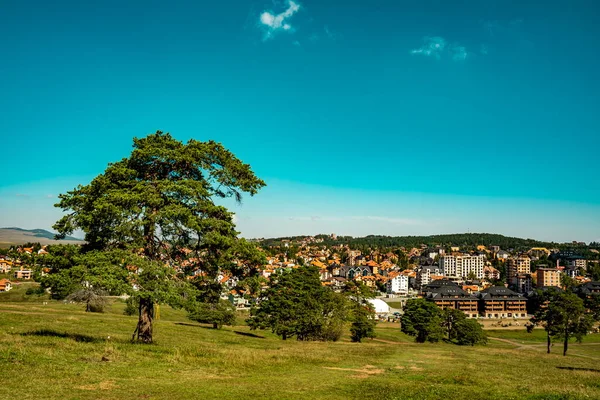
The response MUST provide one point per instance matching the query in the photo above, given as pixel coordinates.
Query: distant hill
(16, 236)
(457, 239)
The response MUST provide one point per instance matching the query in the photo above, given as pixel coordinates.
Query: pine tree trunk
(549, 342)
(565, 345)
(144, 326)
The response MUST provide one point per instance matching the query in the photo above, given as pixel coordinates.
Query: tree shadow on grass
(580, 369)
(248, 334)
(74, 336)
(195, 325)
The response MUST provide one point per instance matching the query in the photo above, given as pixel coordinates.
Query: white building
(461, 266)
(425, 272)
(398, 285)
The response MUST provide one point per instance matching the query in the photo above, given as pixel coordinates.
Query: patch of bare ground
(364, 372)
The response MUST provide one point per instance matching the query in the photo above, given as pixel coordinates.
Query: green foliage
(222, 313)
(469, 332)
(156, 210)
(363, 322)
(296, 304)
(423, 320)
(131, 306)
(564, 316)
(93, 299)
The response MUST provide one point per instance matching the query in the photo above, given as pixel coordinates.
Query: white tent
(380, 306)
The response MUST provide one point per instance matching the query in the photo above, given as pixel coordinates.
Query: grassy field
(57, 351)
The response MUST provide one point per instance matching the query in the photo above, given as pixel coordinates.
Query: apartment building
(461, 266)
(548, 277)
(517, 266)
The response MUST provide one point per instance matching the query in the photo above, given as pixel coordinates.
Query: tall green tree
(469, 332)
(422, 319)
(361, 311)
(158, 206)
(296, 304)
(565, 317)
(574, 320)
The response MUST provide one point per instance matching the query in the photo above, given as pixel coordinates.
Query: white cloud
(437, 47)
(433, 46)
(273, 23)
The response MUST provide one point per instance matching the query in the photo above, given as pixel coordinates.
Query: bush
(222, 313)
(131, 307)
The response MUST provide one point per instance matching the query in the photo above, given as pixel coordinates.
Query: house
(490, 273)
(502, 255)
(589, 289)
(351, 272)
(5, 285)
(501, 302)
(24, 274)
(447, 294)
(5, 266)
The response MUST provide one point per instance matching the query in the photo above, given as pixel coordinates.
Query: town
(484, 282)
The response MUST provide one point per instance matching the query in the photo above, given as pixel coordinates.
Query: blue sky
(378, 117)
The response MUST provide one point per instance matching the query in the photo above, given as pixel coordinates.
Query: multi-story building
(577, 262)
(548, 277)
(447, 294)
(523, 283)
(500, 302)
(397, 284)
(461, 266)
(425, 272)
(517, 266)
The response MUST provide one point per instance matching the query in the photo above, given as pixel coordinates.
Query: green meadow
(58, 351)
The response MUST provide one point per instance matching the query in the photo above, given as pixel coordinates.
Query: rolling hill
(15, 236)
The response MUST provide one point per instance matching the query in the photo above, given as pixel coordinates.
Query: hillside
(16, 236)
(62, 352)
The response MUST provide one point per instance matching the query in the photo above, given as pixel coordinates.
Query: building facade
(548, 277)
(501, 302)
(461, 266)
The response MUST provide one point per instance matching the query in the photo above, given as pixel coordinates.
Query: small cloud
(483, 50)
(437, 47)
(22, 195)
(272, 23)
(49, 196)
(296, 43)
(234, 218)
(433, 46)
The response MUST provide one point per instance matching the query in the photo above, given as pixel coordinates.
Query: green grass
(57, 351)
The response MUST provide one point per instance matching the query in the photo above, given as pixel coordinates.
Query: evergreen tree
(422, 319)
(296, 304)
(156, 210)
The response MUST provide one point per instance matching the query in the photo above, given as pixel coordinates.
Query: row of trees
(154, 231)
(428, 323)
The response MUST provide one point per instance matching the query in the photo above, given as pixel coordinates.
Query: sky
(382, 117)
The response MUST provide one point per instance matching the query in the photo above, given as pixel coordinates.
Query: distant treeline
(464, 240)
